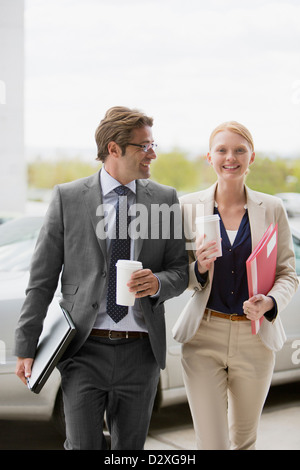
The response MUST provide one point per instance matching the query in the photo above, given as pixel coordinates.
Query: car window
(17, 242)
(296, 242)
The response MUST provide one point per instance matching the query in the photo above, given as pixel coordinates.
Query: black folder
(58, 331)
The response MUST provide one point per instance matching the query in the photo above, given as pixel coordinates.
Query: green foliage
(176, 169)
(271, 175)
(265, 174)
(45, 174)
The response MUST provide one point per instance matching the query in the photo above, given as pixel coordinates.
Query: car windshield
(17, 241)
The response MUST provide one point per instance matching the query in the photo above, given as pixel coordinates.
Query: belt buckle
(110, 336)
(115, 339)
(233, 315)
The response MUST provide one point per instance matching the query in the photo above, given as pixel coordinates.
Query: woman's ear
(208, 158)
(252, 158)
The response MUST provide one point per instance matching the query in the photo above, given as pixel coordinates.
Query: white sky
(190, 64)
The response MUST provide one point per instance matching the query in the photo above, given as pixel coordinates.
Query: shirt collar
(108, 183)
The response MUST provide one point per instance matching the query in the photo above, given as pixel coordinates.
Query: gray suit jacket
(263, 210)
(68, 245)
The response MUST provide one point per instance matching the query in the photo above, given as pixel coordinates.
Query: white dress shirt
(134, 320)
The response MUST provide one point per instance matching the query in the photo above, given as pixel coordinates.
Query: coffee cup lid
(127, 263)
(207, 218)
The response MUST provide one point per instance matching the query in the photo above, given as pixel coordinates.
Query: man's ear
(114, 150)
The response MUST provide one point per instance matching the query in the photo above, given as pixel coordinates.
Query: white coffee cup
(125, 268)
(209, 225)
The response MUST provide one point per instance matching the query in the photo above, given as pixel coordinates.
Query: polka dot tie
(120, 249)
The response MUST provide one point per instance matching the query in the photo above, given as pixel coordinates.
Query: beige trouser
(227, 373)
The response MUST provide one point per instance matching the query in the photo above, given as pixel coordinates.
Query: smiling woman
(228, 370)
(231, 153)
(231, 149)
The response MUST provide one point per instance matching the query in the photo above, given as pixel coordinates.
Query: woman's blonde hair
(117, 125)
(232, 126)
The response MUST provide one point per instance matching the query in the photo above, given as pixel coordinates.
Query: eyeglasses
(145, 147)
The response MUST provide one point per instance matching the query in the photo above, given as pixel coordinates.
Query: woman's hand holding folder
(257, 306)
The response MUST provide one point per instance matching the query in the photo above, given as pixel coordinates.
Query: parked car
(17, 242)
(6, 216)
(291, 202)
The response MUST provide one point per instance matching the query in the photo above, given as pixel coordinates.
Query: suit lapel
(143, 198)
(92, 194)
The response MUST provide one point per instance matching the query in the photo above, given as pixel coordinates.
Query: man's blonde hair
(232, 126)
(117, 126)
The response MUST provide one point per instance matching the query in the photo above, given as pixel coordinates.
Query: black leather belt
(117, 334)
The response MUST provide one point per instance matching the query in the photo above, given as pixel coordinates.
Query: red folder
(261, 268)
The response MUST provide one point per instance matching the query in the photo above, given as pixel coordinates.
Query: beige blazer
(263, 210)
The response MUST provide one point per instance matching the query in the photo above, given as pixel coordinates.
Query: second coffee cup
(209, 226)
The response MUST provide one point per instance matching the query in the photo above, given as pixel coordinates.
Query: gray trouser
(118, 377)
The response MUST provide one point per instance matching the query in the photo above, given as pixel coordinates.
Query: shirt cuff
(272, 314)
(156, 295)
(201, 278)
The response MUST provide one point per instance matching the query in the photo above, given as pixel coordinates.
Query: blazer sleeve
(286, 280)
(189, 213)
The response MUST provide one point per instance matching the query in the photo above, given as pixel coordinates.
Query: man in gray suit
(113, 363)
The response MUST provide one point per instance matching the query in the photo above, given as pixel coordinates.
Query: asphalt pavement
(171, 428)
(279, 426)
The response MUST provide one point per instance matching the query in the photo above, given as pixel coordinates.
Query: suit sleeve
(174, 276)
(46, 265)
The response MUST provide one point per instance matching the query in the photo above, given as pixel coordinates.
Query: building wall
(12, 155)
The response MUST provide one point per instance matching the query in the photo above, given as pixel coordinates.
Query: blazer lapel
(92, 194)
(256, 212)
(207, 198)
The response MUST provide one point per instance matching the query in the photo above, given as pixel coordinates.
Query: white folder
(58, 331)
